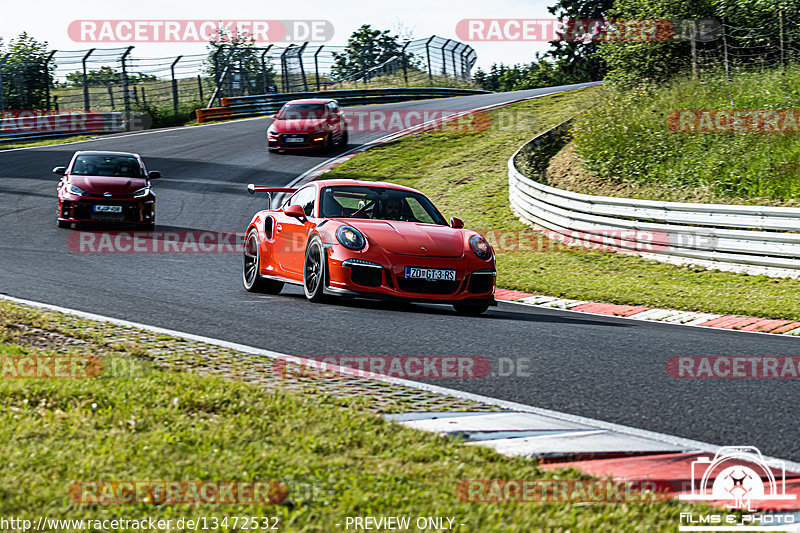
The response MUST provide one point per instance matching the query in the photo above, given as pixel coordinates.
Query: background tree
(26, 76)
(630, 63)
(565, 62)
(106, 75)
(242, 58)
(578, 60)
(366, 48)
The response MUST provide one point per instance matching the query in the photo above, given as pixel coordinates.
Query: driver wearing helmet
(393, 209)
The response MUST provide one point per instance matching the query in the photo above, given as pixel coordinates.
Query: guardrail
(744, 238)
(265, 104)
(30, 126)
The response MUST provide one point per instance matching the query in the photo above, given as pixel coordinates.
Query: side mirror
(60, 171)
(456, 223)
(295, 211)
(154, 174)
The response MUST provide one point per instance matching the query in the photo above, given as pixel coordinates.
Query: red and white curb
(669, 316)
(595, 448)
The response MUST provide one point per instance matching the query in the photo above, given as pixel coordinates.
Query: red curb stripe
(609, 309)
(787, 327)
(671, 473)
(721, 322)
(766, 325)
(505, 294)
(736, 323)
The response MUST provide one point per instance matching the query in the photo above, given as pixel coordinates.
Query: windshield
(302, 111)
(378, 203)
(107, 165)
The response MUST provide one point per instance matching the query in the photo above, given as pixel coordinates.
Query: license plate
(108, 209)
(294, 139)
(433, 274)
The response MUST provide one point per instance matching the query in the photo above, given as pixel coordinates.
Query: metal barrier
(742, 238)
(250, 106)
(43, 126)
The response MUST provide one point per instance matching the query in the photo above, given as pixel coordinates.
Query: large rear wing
(252, 188)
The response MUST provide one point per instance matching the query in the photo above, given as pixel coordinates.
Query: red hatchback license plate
(433, 274)
(108, 209)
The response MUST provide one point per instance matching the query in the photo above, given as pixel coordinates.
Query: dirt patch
(567, 171)
(43, 340)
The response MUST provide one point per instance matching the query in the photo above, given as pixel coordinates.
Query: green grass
(156, 93)
(625, 138)
(43, 142)
(416, 78)
(336, 460)
(465, 174)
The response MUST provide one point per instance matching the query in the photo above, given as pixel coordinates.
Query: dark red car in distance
(106, 187)
(311, 123)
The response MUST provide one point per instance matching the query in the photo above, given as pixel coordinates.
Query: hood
(102, 184)
(410, 237)
(298, 125)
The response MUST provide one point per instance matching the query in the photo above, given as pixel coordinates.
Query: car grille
(425, 286)
(367, 276)
(480, 283)
(130, 212)
(285, 136)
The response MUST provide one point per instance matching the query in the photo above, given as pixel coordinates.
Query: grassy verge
(625, 140)
(465, 173)
(335, 458)
(44, 142)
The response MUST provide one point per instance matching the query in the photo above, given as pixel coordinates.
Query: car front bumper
(138, 211)
(381, 274)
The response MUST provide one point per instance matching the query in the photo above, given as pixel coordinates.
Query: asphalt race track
(606, 368)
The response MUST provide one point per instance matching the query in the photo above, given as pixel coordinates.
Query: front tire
(251, 260)
(315, 270)
(344, 139)
(63, 223)
(470, 309)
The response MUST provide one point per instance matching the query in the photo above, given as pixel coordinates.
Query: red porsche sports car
(106, 187)
(312, 123)
(368, 239)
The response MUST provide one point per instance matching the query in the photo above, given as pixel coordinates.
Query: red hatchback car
(106, 187)
(312, 123)
(369, 239)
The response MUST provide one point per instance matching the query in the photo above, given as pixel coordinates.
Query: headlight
(144, 191)
(480, 247)
(74, 189)
(272, 132)
(350, 238)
